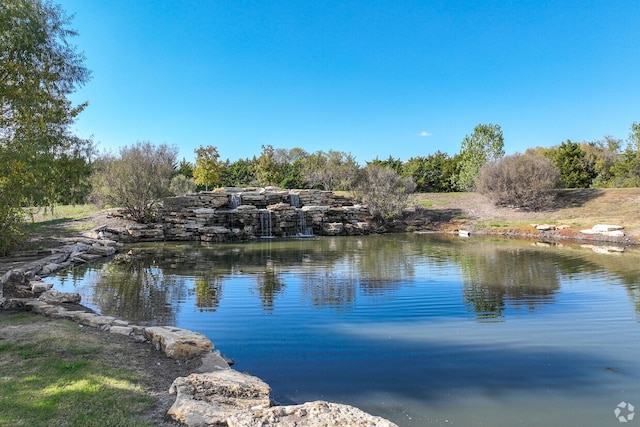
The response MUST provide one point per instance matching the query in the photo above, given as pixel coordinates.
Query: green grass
(54, 375)
(62, 213)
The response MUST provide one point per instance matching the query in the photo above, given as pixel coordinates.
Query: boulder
(178, 343)
(102, 250)
(310, 414)
(38, 287)
(208, 399)
(56, 297)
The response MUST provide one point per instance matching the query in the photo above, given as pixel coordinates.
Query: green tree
(485, 144)
(395, 164)
(73, 173)
(207, 169)
(267, 168)
(137, 180)
(239, 173)
(601, 156)
(185, 168)
(434, 173)
(572, 162)
(39, 69)
(626, 171)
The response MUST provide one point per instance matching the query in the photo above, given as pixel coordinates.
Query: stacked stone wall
(233, 214)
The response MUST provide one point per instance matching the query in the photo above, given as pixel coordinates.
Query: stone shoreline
(215, 395)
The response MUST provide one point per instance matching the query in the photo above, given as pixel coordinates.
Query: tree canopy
(39, 69)
(485, 144)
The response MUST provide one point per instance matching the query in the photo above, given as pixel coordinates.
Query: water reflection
(208, 292)
(412, 327)
(138, 290)
(334, 272)
(492, 275)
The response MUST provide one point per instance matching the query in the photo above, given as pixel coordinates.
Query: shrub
(137, 180)
(180, 185)
(384, 191)
(523, 181)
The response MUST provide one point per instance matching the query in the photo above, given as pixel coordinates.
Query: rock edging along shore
(215, 396)
(25, 280)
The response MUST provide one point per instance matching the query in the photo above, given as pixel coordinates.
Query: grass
(64, 215)
(578, 208)
(55, 375)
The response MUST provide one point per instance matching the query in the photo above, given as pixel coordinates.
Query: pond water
(420, 329)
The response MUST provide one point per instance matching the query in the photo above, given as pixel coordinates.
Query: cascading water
(294, 200)
(303, 230)
(266, 231)
(235, 200)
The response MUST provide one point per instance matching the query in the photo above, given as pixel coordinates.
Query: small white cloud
(424, 134)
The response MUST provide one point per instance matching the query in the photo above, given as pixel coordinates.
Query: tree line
(42, 162)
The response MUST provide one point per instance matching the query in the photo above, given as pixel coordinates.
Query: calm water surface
(420, 329)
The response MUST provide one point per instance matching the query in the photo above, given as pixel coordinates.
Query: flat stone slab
(603, 228)
(178, 343)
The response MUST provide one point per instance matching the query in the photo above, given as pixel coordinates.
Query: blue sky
(372, 78)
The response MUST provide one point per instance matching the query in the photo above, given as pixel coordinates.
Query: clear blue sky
(373, 78)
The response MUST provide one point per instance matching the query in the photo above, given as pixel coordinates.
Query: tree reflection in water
(139, 291)
(495, 276)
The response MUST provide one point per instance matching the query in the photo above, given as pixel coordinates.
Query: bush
(137, 180)
(523, 181)
(384, 191)
(180, 185)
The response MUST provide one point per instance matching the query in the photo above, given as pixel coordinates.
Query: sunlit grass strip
(62, 382)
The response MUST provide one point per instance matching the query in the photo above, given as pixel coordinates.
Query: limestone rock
(38, 287)
(56, 297)
(311, 414)
(605, 230)
(544, 227)
(178, 343)
(121, 330)
(209, 399)
(602, 228)
(213, 361)
(102, 250)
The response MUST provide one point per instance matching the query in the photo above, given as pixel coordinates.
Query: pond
(420, 329)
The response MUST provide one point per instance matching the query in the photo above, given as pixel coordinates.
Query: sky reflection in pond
(422, 329)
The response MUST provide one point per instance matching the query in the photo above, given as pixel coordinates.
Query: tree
(434, 173)
(137, 180)
(332, 170)
(39, 69)
(266, 168)
(520, 180)
(185, 168)
(626, 171)
(395, 164)
(207, 169)
(73, 173)
(384, 191)
(485, 144)
(572, 162)
(601, 156)
(238, 173)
